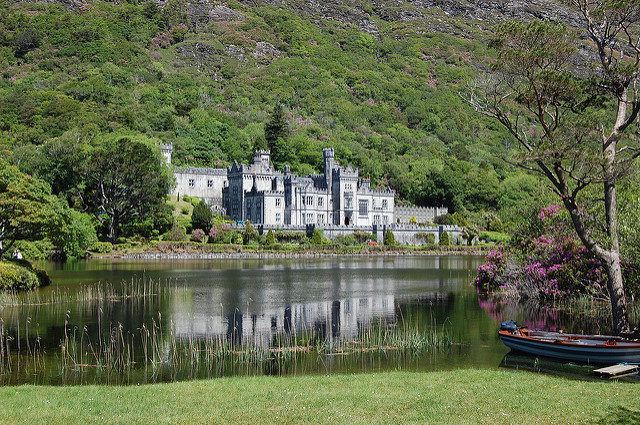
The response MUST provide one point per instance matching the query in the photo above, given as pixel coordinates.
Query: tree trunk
(616, 293)
(113, 228)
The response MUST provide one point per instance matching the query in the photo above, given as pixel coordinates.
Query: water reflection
(256, 303)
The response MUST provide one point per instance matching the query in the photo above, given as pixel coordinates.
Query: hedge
(20, 275)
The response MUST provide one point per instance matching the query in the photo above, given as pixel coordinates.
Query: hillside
(378, 81)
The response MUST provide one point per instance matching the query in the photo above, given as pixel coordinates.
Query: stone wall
(404, 234)
(403, 214)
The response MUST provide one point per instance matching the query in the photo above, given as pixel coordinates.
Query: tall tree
(126, 179)
(276, 132)
(574, 115)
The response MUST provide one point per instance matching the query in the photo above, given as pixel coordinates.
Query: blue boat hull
(583, 354)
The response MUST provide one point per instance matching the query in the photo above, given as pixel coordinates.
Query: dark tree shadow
(621, 415)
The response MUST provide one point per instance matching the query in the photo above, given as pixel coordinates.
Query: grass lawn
(459, 396)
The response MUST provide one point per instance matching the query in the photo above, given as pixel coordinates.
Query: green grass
(458, 396)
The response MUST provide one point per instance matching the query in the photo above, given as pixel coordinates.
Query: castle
(263, 195)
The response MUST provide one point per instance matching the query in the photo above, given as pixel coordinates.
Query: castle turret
(166, 149)
(329, 163)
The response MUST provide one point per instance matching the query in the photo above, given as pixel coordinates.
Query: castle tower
(329, 162)
(166, 149)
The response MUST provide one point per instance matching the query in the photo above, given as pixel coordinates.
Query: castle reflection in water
(340, 319)
(335, 300)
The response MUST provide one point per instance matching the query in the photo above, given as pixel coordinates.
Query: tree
(72, 232)
(126, 179)
(572, 116)
(316, 238)
(389, 238)
(26, 207)
(249, 234)
(201, 216)
(444, 239)
(270, 239)
(276, 132)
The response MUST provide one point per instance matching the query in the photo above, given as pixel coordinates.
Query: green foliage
(444, 239)
(26, 207)
(201, 216)
(495, 226)
(131, 67)
(413, 220)
(34, 250)
(389, 238)
(102, 247)
(289, 236)
(176, 234)
(126, 179)
(270, 239)
(362, 237)
(184, 211)
(494, 237)
(426, 238)
(15, 277)
(317, 237)
(249, 234)
(72, 232)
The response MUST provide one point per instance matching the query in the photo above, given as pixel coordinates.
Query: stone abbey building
(266, 196)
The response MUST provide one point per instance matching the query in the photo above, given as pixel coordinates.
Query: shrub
(34, 250)
(345, 240)
(413, 220)
(184, 222)
(426, 238)
(249, 234)
(14, 276)
(237, 238)
(198, 235)
(222, 233)
(201, 216)
(445, 240)
(286, 236)
(270, 239)
(316, 238)
(496, 226)
(494, 237)
(176, 234)
(363, 237)
(102, 247)
(389, 238)
(184, 210)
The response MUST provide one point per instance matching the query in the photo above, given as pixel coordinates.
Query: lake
(126, 322)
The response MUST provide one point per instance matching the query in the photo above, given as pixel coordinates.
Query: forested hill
(378, 81)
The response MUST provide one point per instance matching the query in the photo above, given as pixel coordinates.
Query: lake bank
(190, 250)
(456, 396)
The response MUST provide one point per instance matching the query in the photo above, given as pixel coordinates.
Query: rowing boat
(598, 349)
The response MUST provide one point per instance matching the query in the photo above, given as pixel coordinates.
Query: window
(385, 204)
(310, 201)
(363, 207)
(320, 218)
(376, 219)
(192, 182)
(235, 190)
(348, 186)
(320, 202)
(386, 219)
(209, 183)
(348, 203)
(248, 203)
(277, 202)
(309, 218)
(278, 217)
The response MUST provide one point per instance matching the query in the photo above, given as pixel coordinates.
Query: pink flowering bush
(222, 233)
(198, 235)
(553, 264)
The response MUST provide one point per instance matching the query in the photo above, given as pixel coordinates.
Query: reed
(96, 292)
(153, 352)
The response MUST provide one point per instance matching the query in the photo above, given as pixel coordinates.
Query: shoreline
(238, 253)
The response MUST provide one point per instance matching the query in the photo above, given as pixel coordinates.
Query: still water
(229, 304)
